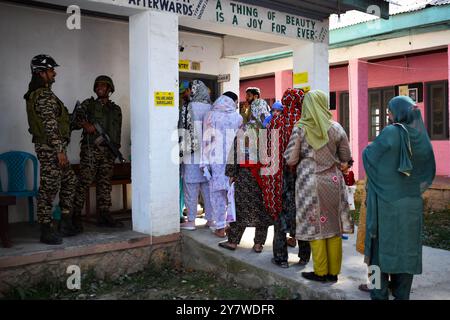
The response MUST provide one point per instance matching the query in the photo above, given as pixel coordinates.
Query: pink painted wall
(267, 86)
(338, 83)
(421, 68)
(359, 115)
(283, 81)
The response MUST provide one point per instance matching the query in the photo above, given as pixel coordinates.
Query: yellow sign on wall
(306, 89)
(183, 65)
(300, 78)
(164, 99)
(403, 91)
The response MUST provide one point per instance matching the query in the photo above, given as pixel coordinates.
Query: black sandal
(302, 262)
(281, 264)
(226, 245)
(314, 277)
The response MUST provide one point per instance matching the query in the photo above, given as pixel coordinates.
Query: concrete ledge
(73, 247)
(108, 253)
(200, 251)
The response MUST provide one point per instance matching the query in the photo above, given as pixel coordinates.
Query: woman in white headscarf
(221, 125)
(193, 180)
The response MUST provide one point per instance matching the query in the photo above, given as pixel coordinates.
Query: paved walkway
(200, 250)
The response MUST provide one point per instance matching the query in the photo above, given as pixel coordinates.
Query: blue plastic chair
(16, 162)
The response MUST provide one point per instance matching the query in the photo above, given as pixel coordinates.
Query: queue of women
(287, 166)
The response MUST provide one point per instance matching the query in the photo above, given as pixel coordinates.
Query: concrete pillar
(283, 81)
(359, 112)
(310, 59)
(230, 66)
(155, 173)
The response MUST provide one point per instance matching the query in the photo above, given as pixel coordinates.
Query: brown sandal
(364, 288)
(291, 242)
(227, 245)
(220, 233)
(258, 248)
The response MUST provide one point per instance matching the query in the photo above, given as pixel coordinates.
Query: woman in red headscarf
(279, 182)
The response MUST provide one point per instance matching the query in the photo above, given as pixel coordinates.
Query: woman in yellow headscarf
(317, 147)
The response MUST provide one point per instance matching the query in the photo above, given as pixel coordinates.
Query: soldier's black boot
(67, 228)
(105, 220)
(49, 234)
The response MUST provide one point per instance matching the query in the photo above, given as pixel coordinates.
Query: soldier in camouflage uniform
(96, 159)
(49, 124)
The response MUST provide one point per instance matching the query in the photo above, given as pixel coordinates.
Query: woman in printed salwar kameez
(244, 169)
(400, 166)
(194, 183)
(317, 147)
(221, 125)
(279, 185)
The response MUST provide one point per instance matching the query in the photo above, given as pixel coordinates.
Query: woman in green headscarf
(400, 166)
(317, 147)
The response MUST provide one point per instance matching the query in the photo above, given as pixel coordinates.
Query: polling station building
(148, 47)
(371, 61)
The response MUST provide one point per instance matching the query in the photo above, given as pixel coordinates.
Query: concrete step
(201, 252)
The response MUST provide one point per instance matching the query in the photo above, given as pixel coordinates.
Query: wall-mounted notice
(403, 90)
(301, 78)
(164, 99)
(183, 65)
(223, 78)
(196, 66)
(306, 89)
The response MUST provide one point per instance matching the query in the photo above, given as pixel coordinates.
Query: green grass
(153, 283)
(436, 230)
(355, 213)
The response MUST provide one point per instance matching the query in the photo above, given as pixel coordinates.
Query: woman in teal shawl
(400, 166)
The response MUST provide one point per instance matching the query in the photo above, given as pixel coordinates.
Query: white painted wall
(312, 58)
(205, 49)
(101, 47)
(370, 50)
(230, 66)
(384, 48)
(209, 50)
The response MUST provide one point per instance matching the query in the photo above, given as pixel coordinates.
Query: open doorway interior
(209, 80)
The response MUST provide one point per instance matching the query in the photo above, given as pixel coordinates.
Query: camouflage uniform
(49, 125)
(97, 161)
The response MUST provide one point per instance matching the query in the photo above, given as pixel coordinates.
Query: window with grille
(437, 110)
(378, 110)
(344, 112)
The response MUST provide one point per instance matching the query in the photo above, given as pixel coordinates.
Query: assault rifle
(73, 116)
(103, 136)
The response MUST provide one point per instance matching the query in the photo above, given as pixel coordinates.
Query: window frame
(383, 108)
(342, 116)
(428, 110)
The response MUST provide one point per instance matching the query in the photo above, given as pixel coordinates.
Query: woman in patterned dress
(317, 147)
(284, 193)
(250, 209)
